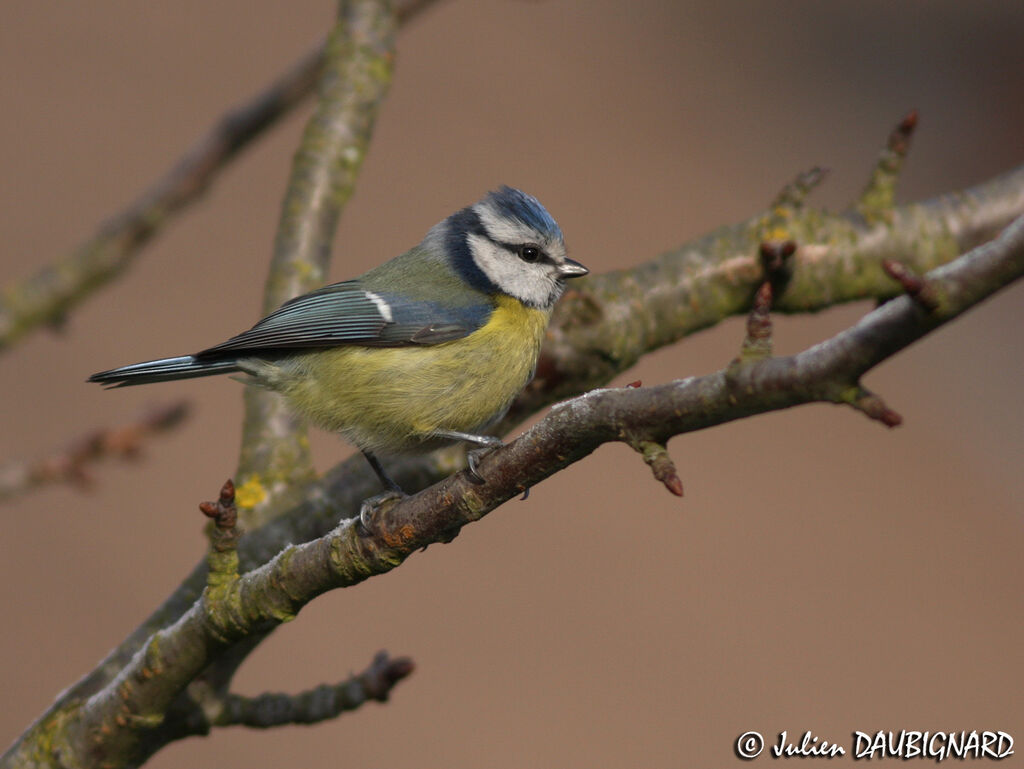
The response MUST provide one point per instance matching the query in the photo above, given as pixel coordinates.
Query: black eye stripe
(517, 249)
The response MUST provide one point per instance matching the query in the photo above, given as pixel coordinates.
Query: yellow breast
(392, 399)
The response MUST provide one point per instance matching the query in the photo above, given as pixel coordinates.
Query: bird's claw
(473, 460)
(373, 505)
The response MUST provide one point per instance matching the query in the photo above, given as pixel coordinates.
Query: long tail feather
(163, 370)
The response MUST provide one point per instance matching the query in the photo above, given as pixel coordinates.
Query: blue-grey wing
(347, 313)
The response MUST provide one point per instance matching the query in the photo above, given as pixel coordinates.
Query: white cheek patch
(532, 284)
(495, 263)
(382, 307)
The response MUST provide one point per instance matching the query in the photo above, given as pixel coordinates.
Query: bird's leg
(486, 443)
(393, 492)
(474, 456)
(386, 480)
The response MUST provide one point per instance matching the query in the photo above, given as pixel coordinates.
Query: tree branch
(588, 341)
(323, 703)
(611, 320)
(274, 458)
(47, 297)
(128, 712)
(876, 202)
(71, 464)
(599, 331)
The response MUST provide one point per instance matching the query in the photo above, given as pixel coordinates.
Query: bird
(425, 350)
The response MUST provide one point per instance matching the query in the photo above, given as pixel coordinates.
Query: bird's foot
(373, 505)
(473, 459)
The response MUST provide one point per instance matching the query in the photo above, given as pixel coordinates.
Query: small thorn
(916, 287)
(673, 484)
(874, 407)
(904, 130)
(657, 458)
(633, 385)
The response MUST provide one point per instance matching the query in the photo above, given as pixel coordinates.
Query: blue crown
(516, 204)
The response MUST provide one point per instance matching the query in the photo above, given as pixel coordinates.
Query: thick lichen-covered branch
(573, 429)
(355, 78)
(598, 332)
(611, 320)
(589, 341)
(124, 715)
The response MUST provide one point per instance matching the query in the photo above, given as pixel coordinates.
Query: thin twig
(71, 464)
(794, 195)
(323, 703)
(879, 197)
(916, 288)
(47, 297)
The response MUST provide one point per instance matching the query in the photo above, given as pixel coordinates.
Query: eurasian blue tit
(427, 349)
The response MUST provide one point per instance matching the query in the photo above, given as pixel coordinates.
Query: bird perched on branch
(427, 349)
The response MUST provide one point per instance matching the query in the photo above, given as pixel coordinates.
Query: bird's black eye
(529, 253)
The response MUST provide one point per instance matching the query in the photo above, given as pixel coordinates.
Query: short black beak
(572, 269)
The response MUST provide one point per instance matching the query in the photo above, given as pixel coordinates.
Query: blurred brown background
(822, 572)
